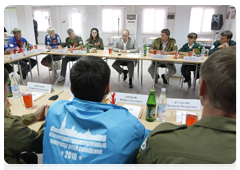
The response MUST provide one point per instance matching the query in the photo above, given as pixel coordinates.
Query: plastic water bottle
(162, 106)
(15, 87)
(203, 53)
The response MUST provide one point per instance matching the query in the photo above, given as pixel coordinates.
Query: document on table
(135, 110)
(37, 95)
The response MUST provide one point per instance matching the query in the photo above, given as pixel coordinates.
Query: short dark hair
(89, 78)
(192, 35)
(219, 72)
(227, 33)
(5, 76)
(166, 31)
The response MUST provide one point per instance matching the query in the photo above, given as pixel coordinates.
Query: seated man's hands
(123, 51)
(163, 52)
(224, 45)
(48, 47)
(41, 113)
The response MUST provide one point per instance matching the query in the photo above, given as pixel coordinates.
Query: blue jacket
(55, 41)
(12, 42)
(85, 132)
(5, 47)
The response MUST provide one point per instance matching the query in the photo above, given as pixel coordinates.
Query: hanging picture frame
(227, 15)
(233, 14)
(171, 15)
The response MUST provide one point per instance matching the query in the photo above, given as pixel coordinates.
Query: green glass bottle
(151, 106)
(28, 49)
(9, 88)
(88, 48)
(198, 54)
(145, 50)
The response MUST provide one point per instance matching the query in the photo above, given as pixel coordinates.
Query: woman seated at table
(51, 41)
(94, 40)
(190, 46)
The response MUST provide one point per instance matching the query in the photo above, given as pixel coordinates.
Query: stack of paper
(135, 110)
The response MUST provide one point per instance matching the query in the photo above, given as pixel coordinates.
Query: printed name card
(79, 52)
(131, 98)
(133, 55)
(40, 50)
(45, 88)
(26, 53)
(61, 51)
(186, 58)
(183, 104)
(16, 56)
(158, 56)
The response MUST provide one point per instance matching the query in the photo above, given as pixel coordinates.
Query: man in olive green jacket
(167, 46)
(224, 42)
(72, 40)
(211, 140)
(17, 136)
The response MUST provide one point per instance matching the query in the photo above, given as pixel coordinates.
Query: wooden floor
(174, 89)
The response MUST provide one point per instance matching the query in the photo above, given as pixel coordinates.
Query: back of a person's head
(89, 78)
(219, 72)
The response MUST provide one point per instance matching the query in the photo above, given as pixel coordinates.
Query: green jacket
(215, 45)
(76, 42)
(211, 140)
(158, 45)
(98, 44)
(18, 137)
(185, 47)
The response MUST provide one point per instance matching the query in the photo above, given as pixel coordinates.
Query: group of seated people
(125, 44)
(88, 131)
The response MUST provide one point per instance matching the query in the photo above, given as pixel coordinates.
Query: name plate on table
(45, 88)
(61, 51)
(26, 53)
(131, 98)
(133, 55)
(16, 56)
(79, 52)
(40, 50)
(158, 56)
(183, 104)
(186, 58)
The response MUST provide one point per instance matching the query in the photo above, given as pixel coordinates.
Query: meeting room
(120, 84)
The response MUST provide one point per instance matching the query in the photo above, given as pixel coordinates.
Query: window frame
(81, 22)
(50, 13)
(158, 31)
(201, 32)
(122, 20)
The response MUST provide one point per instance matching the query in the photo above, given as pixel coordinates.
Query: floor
(173, 89)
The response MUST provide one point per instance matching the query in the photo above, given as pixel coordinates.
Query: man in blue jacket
(87, 131)
(16, 42)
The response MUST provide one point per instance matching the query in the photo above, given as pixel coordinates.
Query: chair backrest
(109, 41)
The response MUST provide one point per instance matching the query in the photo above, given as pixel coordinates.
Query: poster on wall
(233, 14)
(171, 15)
(227, 15)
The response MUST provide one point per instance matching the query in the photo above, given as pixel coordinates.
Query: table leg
(37, 65)
(155, 69)
(141, 72)
(52, 67)
(20, 70)
(195, 79)
(138, 78)
(30, 68)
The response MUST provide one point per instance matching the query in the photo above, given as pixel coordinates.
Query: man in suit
(125, 44)
(35, 25)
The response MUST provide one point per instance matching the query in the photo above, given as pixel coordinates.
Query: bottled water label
(161, 113)
(15, 91)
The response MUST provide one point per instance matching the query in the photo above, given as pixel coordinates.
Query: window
(154, 20)
(112, 20)
(76, 21)
(43, 19)
(200, 20)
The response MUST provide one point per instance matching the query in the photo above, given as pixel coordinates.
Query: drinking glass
(191, 118)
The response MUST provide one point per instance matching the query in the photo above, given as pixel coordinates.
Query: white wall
(230, 24)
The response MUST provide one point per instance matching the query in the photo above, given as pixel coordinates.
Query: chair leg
(37, 65)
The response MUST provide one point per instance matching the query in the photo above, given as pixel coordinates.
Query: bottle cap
(152, 89)
(163, 89)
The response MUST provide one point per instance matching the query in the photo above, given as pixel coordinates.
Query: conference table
(18, 109)
(114, 55)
